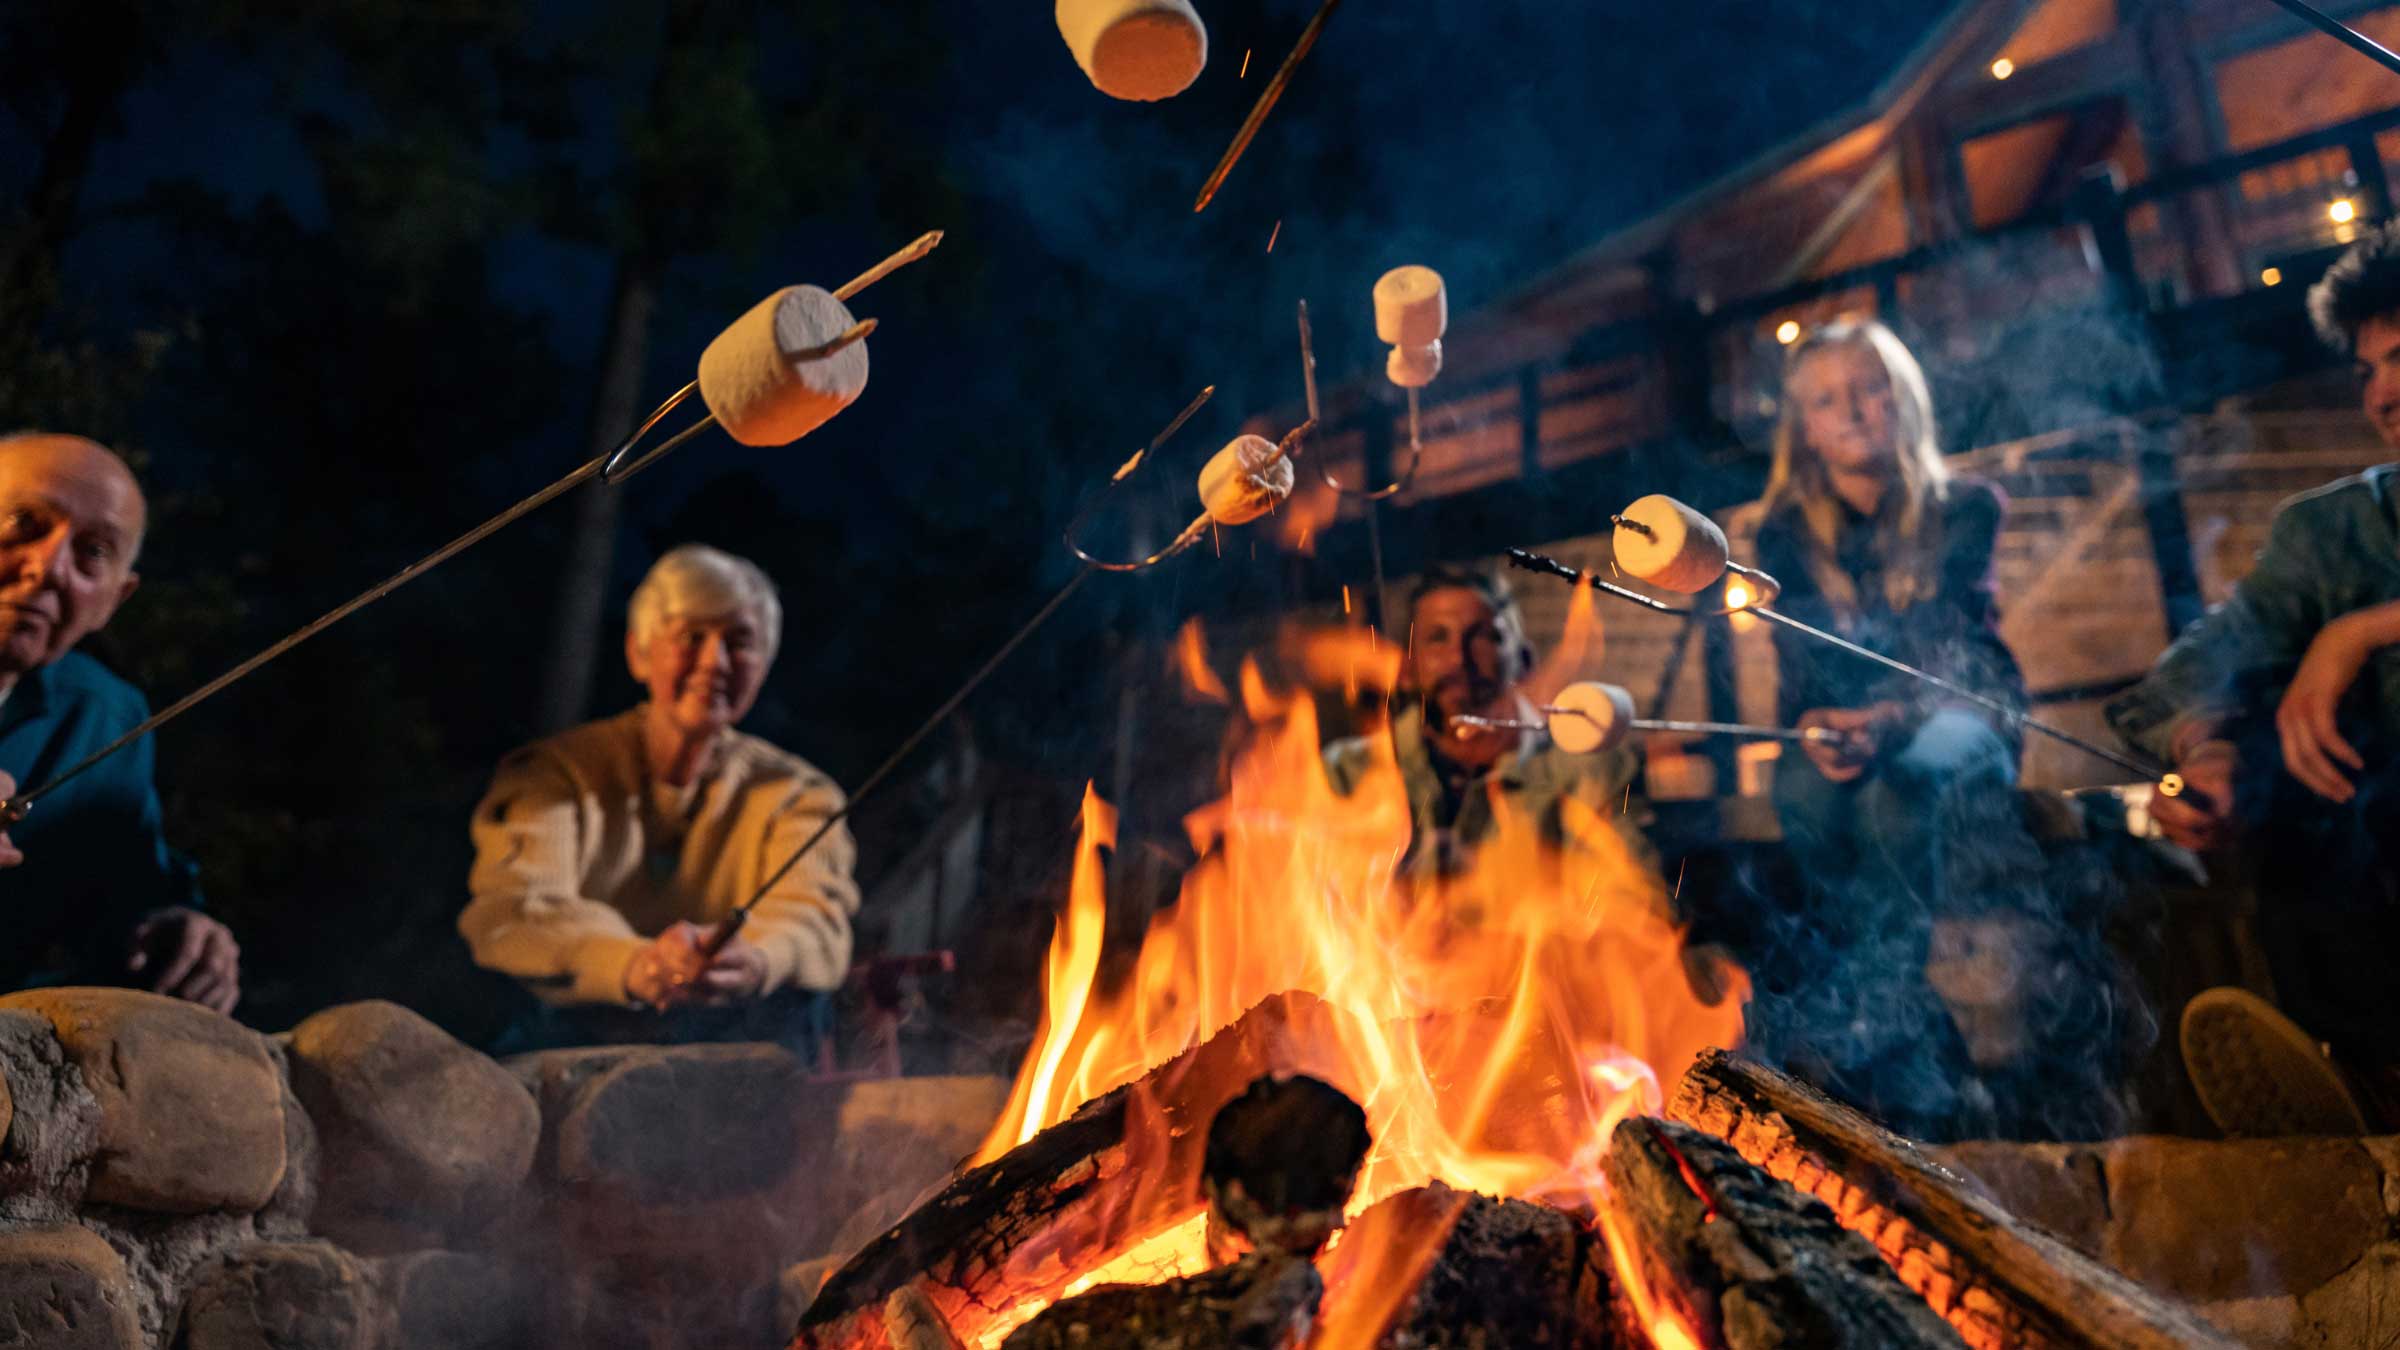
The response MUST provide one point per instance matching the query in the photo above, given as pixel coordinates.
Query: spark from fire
(1271, 234)
(1245, 65)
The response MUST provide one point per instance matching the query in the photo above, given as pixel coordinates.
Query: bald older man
(91, 893)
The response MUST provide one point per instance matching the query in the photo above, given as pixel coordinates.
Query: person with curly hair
(2282, 708)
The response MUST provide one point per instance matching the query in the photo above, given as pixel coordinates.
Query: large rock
(684, 1126)
(884, 1143)
(54, 1120)
(191, 1104)
(62, 1288)
(281, 1296)
(419, 1136)
(2060, 1188)
(2216, 1222)
(455, 1301)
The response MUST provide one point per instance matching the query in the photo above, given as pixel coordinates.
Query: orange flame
(1191, 662)
(1496, 1025)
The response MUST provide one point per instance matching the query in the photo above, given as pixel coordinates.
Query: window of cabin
(2037, 164)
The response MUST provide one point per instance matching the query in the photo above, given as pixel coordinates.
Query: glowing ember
(1495, 1025)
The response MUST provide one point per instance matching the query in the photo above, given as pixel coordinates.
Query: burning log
(2001, 1282)
(1436, 1266)
(1281, 1161)
(1022, 1227)
(1265, 1301)
(1748, 1262)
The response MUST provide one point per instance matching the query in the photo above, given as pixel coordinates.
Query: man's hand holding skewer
(2200, 817)
(190, 956)
(9, 856)
(676, 969)
(1861, 734)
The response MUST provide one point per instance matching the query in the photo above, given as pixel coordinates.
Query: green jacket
(2329, 552)
(1536, 777)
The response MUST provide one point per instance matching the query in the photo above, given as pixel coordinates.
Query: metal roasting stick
(1191, 533)
(2170, 784)
(1416, 445)
(1745, 730)
(733, 924)
(1266, 102)
(2345, 34)
(13, 809)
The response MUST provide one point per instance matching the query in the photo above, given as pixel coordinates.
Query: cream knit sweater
(576, 865)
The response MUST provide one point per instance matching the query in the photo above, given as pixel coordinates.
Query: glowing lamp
(1787, 332)
(2003, 68)
(2342, 211)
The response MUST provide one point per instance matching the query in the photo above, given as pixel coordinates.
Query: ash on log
(1751, 1263)
(1441, 1267)
(1072, 1197)
(1264, 1301)
(2001, 1282)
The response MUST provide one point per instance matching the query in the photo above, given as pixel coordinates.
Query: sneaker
(2259, 1074)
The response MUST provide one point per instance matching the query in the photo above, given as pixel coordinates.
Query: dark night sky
(1078, 302)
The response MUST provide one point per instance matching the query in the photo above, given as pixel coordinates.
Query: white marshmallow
(1682, 550)
(1414, 367)
(1588, 716)
(759, 393)
(1141, 50)
(1410, 307)
(1239, 484)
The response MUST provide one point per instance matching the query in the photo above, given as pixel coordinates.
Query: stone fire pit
(366, 1182)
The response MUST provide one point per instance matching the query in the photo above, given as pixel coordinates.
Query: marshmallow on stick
(1412, 313)
(1588, 716)
(1667, 544)
(1245, 480)
(1141, 50)
(782, 370)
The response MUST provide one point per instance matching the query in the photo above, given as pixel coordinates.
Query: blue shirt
(96, 860)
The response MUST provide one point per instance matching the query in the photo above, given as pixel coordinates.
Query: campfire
(1181, 1148)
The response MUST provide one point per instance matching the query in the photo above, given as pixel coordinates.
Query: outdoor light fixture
(2003, 68)
(2273, 276)
(2342, 211)
(1787, 332)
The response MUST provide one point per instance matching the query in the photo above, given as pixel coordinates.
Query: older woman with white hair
(605, 855)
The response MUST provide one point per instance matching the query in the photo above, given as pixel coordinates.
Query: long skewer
(1416, 443)
(1745, 730)
(2344, 34)
(2169, 783)
(734, 922)
(1266, 102)
(13, 809)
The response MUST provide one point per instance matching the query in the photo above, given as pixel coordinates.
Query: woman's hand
(2313, 747)
(674, 969)
(661, 974)
(1861, 734)
(738, 972)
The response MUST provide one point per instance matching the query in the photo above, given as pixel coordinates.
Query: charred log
(1441, 1267)
(1280, 1164)
(1749, 1262)
(2000, 1281)
(1074, 1196)
(1265, 1301)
